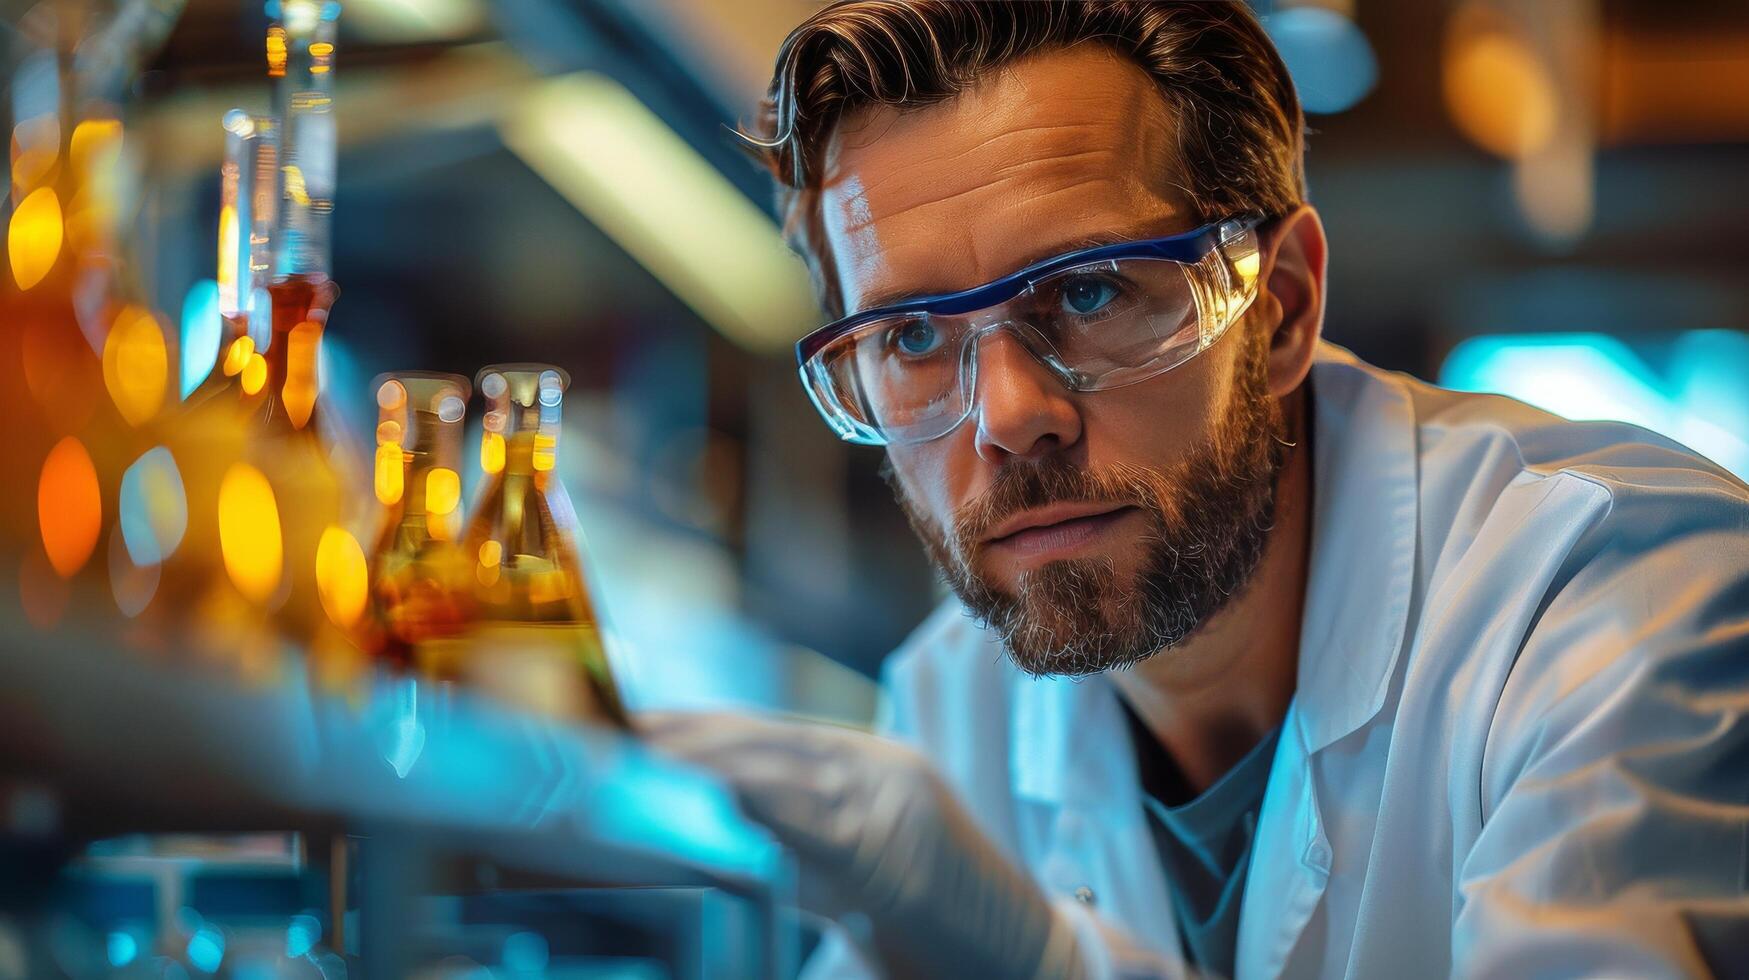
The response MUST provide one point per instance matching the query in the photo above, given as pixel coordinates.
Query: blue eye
(916, 337)
(1087, 295)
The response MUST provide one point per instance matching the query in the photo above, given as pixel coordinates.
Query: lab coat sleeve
(1104, 951)
(840, 954)
(1615, 781)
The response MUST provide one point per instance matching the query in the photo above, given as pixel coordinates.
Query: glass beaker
(536, 640)
(421, 580)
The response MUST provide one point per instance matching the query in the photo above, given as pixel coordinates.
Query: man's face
(1090, 529)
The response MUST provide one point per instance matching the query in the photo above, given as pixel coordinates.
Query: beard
(1208, 523)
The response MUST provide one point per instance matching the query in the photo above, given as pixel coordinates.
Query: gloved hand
(878, 832)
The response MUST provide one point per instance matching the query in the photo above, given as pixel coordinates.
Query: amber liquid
(300, 315)
(289, 448)
(421, 581)
(421, 594)
(538, 641)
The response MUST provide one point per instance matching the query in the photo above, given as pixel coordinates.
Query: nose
(1022, 409)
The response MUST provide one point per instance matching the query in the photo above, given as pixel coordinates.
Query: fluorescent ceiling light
(642, 185)
(415, 20)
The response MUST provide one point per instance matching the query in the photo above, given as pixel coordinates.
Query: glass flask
(293, 568)
(421, 582)
(536, 640)
(83, 364)
(297, 445)
(271, 557)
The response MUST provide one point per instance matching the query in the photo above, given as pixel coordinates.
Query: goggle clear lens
(912, 378)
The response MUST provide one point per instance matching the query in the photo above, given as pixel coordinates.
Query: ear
(1293, 285)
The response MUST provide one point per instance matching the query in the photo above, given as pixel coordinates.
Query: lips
(1036, 519)
(1061, 531)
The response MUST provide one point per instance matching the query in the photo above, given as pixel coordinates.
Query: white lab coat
(1519, 745)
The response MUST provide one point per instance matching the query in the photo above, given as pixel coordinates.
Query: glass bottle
(536, 640)
(421, 581)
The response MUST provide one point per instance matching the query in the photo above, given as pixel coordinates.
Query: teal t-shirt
(1204, 840)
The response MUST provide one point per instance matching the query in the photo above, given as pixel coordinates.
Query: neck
(1213, 698)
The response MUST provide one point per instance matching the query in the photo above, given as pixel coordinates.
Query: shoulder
(1505, 477)
(1596, 571)
(1624, 460)
(1580, 589)
(1495, 476)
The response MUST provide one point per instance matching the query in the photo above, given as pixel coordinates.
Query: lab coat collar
(1361, 572)
(1356, 610)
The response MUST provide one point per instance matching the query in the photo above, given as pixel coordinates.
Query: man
(1261, 661)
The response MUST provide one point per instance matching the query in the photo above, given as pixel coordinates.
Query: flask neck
(521, 427)
(300, 306)
(301, 61)
(419, 428)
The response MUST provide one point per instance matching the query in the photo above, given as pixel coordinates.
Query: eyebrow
(895, 297)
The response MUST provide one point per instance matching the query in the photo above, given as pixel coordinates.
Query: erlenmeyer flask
(421, 580)
(81, 367)
(296, 473)
(537, 640)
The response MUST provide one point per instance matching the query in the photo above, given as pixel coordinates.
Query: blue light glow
(525, 952)
(201, 330)
(261, 319)
(341, 379)
(206, 949)
(153, 507)
(302, 935)
(403, 738)
(1329, 58)
(122, 949)
(1698, 399)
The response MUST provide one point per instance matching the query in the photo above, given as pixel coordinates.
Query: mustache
(1024, 485)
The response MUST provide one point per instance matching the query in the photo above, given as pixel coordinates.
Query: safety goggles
(1098, 318)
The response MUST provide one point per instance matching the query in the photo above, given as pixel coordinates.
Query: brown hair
(1239, 132)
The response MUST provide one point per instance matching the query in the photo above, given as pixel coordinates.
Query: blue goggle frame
(1187, 247)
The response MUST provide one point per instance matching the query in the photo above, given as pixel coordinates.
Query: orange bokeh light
(1499, 91)
(95, 144)
(390, 472)
(254, 374)
(492, 453)
(69, 506)
(237, 357)
(33, 239)
(249, 537)
(136, 364)
(342, 576)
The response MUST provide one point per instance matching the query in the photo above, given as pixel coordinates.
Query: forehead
(1056, 148)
